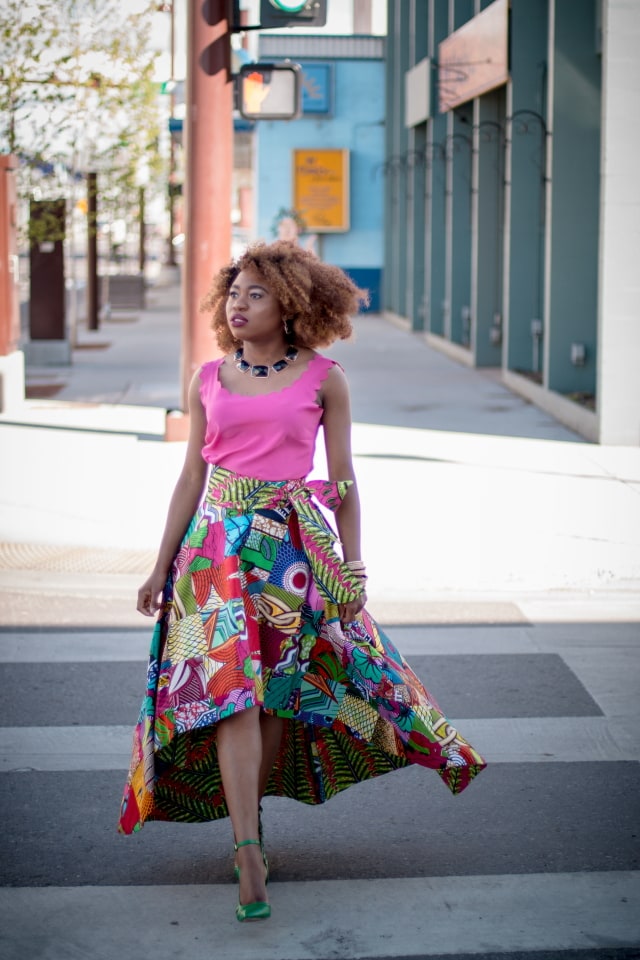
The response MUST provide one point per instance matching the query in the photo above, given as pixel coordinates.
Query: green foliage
(46, 221)
(288, 213)
(77, 95)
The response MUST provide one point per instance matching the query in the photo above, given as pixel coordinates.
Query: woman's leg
(271, 728)
(240, 758)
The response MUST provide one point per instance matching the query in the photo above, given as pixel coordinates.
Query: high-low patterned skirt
(250, 618)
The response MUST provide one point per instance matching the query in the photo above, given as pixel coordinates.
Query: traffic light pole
(208, 181)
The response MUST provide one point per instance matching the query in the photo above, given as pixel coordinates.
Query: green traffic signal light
(292, 13)
(289, 6)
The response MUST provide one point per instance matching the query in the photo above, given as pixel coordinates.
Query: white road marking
(516, 740)
(412, 917)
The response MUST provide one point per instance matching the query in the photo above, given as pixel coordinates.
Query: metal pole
(362, 16)
(208, 180)
(142, 234)
(93, 321)
(171, 253)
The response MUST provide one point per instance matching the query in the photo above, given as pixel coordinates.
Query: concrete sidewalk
(132, 360)
(490, 497)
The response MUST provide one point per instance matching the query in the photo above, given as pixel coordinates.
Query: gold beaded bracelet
(357, 568)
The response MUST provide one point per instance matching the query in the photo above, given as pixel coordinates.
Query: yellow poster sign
(321, 189)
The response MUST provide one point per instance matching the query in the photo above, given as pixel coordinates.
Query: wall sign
(316, 88)
(321, 189)
(474, 59)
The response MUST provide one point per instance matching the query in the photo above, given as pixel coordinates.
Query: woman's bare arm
(184, 501)
(336, 421)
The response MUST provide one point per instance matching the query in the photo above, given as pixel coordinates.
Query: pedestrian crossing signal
(270, 91)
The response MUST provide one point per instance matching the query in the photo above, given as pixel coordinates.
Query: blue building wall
(354, 121)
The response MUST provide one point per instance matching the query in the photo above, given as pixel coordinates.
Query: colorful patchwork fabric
(251, 618)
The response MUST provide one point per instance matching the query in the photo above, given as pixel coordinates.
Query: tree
(77, 94)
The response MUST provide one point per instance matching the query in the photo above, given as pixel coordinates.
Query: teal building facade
(512, 209)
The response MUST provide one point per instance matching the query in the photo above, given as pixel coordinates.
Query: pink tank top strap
(313, 377)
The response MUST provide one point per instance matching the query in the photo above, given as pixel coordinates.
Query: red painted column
(208, 134)
(9, 291)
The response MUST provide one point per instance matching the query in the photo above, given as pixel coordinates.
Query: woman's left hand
(349, 611)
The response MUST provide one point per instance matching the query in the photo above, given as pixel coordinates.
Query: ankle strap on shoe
(245, 843)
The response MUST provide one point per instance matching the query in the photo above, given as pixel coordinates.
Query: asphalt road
(537, 859)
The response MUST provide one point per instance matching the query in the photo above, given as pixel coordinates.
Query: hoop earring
(287, 328)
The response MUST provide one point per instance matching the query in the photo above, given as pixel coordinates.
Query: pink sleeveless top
(271, 437)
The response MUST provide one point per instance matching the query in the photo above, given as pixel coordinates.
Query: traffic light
(270, 91)
(292, 13)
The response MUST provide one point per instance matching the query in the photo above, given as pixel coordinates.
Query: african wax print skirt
(250, 618)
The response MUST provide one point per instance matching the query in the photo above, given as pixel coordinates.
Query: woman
(266, 675)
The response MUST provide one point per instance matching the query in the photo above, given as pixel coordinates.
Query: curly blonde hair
(317, 298)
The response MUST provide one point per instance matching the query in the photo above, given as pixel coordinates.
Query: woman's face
(253, 312)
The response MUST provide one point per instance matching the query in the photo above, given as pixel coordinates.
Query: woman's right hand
(150, 594)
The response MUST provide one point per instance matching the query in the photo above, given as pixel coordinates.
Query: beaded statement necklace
(263, 369)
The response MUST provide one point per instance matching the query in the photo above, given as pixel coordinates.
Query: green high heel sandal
(236, 868)
(259, 909)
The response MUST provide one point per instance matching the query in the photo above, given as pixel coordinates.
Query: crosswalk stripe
(93, 646)
(75, 647)
(411, 917)
(578, 643)
(520, 740)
